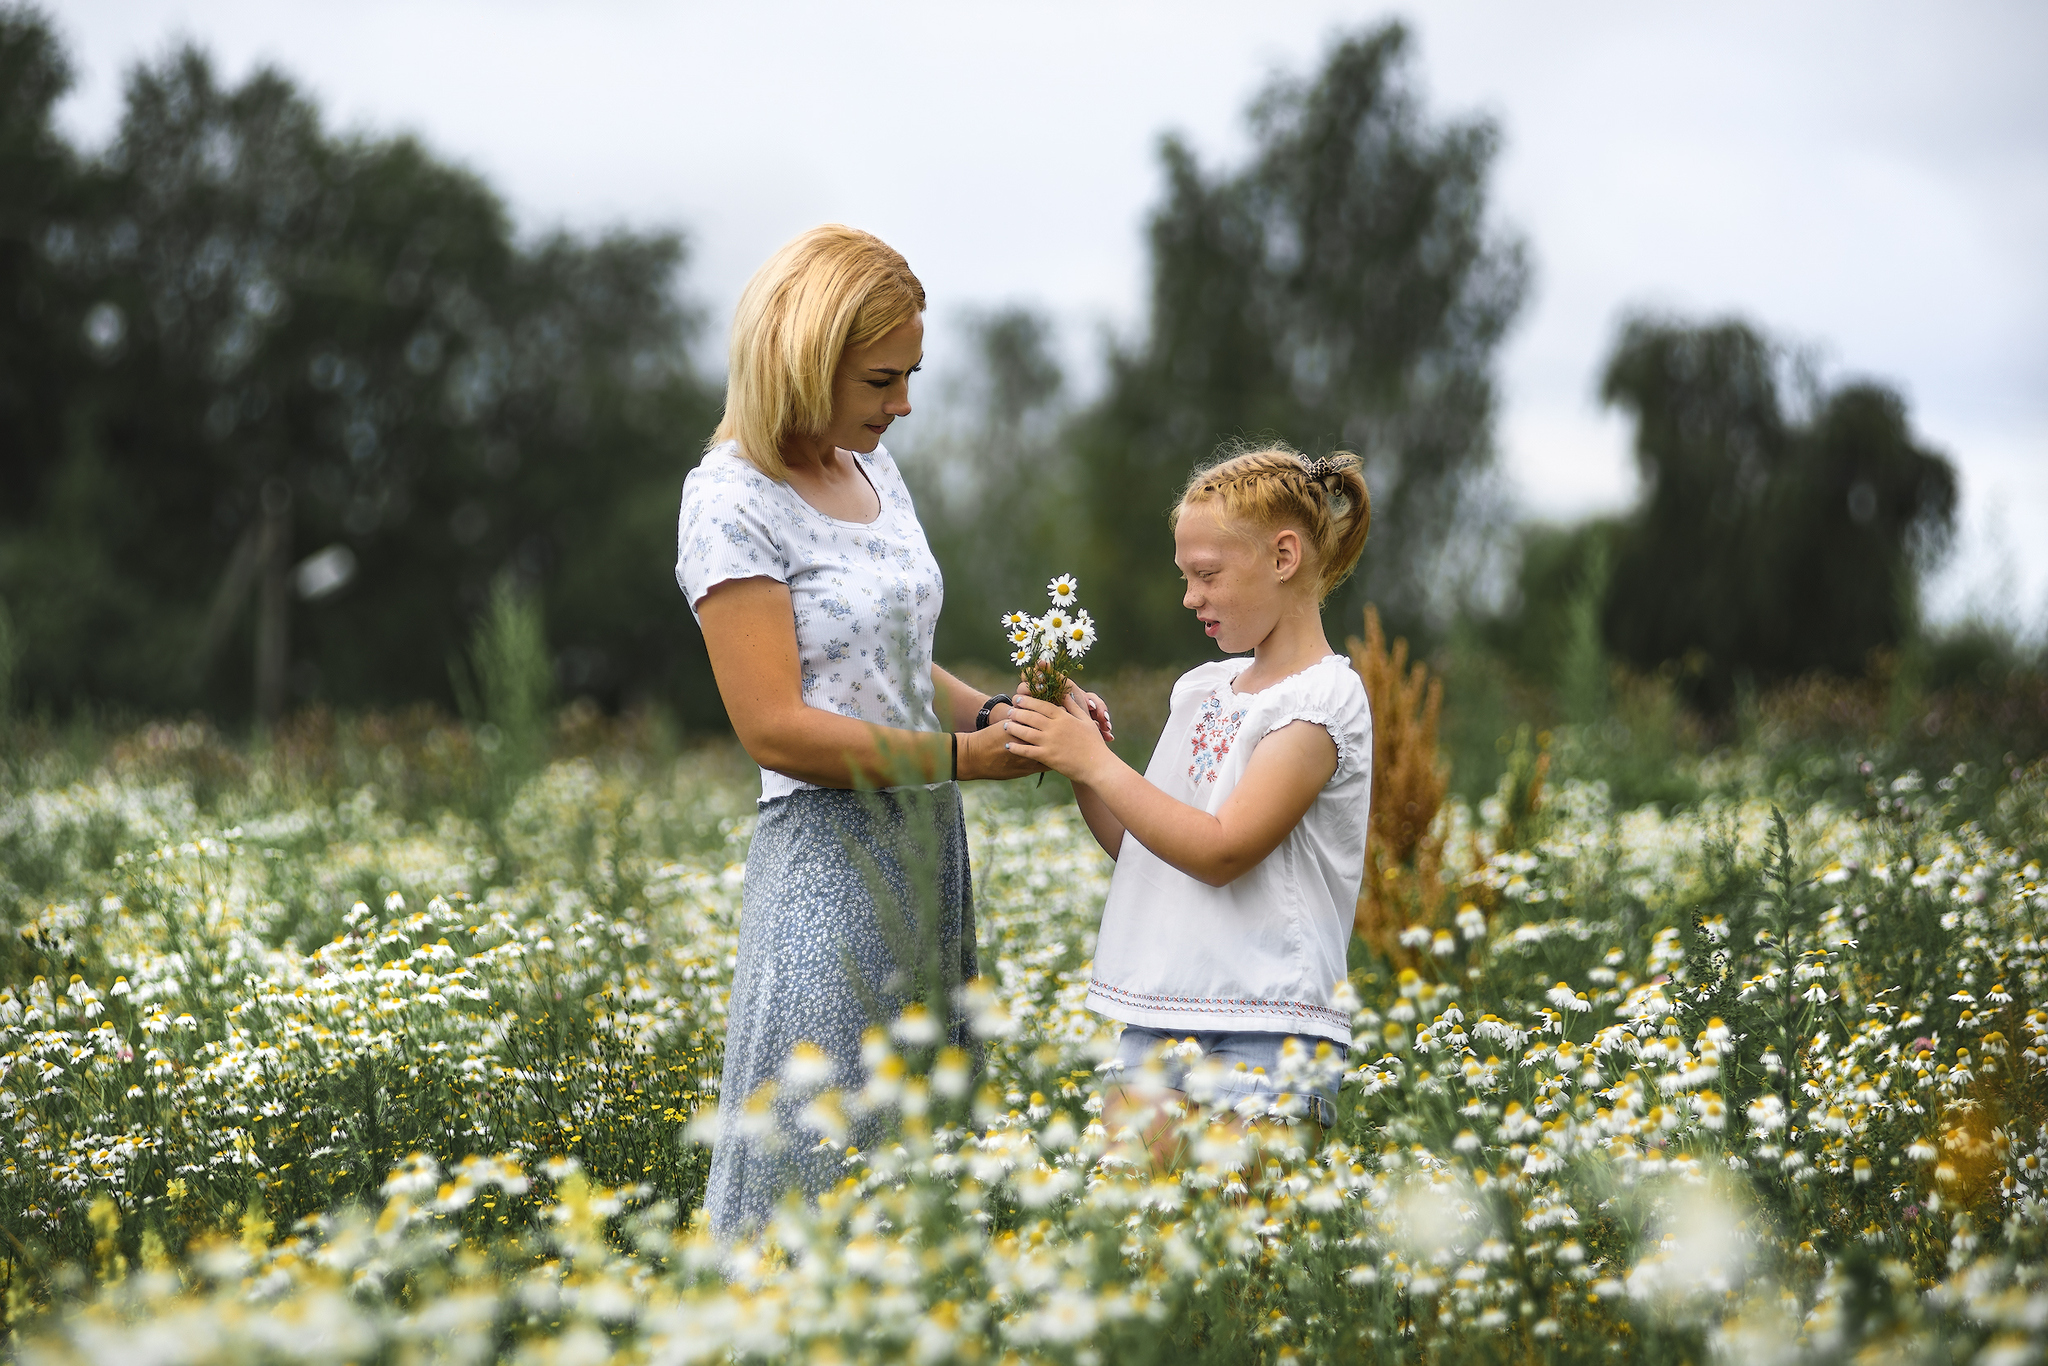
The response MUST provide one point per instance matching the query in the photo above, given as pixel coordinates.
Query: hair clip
(1320, 468)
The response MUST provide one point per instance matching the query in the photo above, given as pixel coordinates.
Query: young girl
(1239, 852)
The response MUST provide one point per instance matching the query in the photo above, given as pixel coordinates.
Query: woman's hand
(1071, 739)
(983, 755)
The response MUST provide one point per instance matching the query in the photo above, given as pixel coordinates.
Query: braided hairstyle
(1269, 487)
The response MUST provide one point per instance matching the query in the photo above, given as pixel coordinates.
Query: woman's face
(872, 388)
(1239, 585)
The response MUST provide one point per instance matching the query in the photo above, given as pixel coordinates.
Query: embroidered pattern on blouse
(1218, 1005)
(1210, 738)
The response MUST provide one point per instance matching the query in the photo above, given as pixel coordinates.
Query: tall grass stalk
(1583, 683)
(506, 686)
(10, 655)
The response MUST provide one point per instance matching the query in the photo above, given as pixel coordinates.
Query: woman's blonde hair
(1273, 487)
(828, 289)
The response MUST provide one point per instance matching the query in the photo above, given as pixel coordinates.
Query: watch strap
(981, 717)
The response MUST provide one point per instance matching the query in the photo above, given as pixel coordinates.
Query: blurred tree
(288, 342)
(992, 490)
(1538, 628)
(1764, 547)
(1342, 289)
(42, 342)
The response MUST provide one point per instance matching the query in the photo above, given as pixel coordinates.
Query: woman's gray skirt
(821, 958)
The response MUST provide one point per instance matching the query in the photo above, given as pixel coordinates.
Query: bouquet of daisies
(1049, 648)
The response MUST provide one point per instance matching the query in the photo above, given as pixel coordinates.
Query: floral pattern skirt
(854, 903)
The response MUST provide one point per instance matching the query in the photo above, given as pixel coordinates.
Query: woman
(802, 557)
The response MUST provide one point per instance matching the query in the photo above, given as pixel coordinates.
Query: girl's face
(872, 388)
(1240, 581)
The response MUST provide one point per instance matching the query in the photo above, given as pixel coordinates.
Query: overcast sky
(1869, 179)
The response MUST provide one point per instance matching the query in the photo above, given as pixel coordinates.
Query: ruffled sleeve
(727, 528)
(1329, 694)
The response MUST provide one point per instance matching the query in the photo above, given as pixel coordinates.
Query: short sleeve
(1331, 695)
(727, 529)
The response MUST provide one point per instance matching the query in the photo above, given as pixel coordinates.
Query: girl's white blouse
(866, 596)
(1267, 951)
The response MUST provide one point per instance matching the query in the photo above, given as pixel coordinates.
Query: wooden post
(273, 604)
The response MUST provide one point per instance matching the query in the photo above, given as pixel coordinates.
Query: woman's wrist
(981, 755)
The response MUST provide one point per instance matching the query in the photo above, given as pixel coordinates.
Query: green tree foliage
(994, 493)
(234, 309)
(1541, 631)
(1766, 545)
(1342, 289)
(41, 314)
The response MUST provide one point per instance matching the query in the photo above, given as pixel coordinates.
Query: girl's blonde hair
(828, 289)
(1273, 487)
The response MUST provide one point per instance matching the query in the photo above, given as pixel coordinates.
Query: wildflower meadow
(382, 1058)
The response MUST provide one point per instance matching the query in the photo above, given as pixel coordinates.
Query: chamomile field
(358, 1048)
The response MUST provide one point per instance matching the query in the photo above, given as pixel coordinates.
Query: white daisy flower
(1013, 620)
(1021, 656)
(1564, 998)
(1063, 590)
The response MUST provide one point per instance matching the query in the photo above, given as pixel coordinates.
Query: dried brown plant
(1404, 851)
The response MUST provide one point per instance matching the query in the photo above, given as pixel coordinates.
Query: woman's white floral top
(865, 597)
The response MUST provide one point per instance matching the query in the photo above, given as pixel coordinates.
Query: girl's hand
(1068, 740)
(1099, 710)
(1096, 708)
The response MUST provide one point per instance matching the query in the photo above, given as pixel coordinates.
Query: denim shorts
(1236, 1066)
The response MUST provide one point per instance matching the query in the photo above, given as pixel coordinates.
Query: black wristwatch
(981, 717)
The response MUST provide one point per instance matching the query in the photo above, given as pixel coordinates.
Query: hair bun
(1274, 486)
